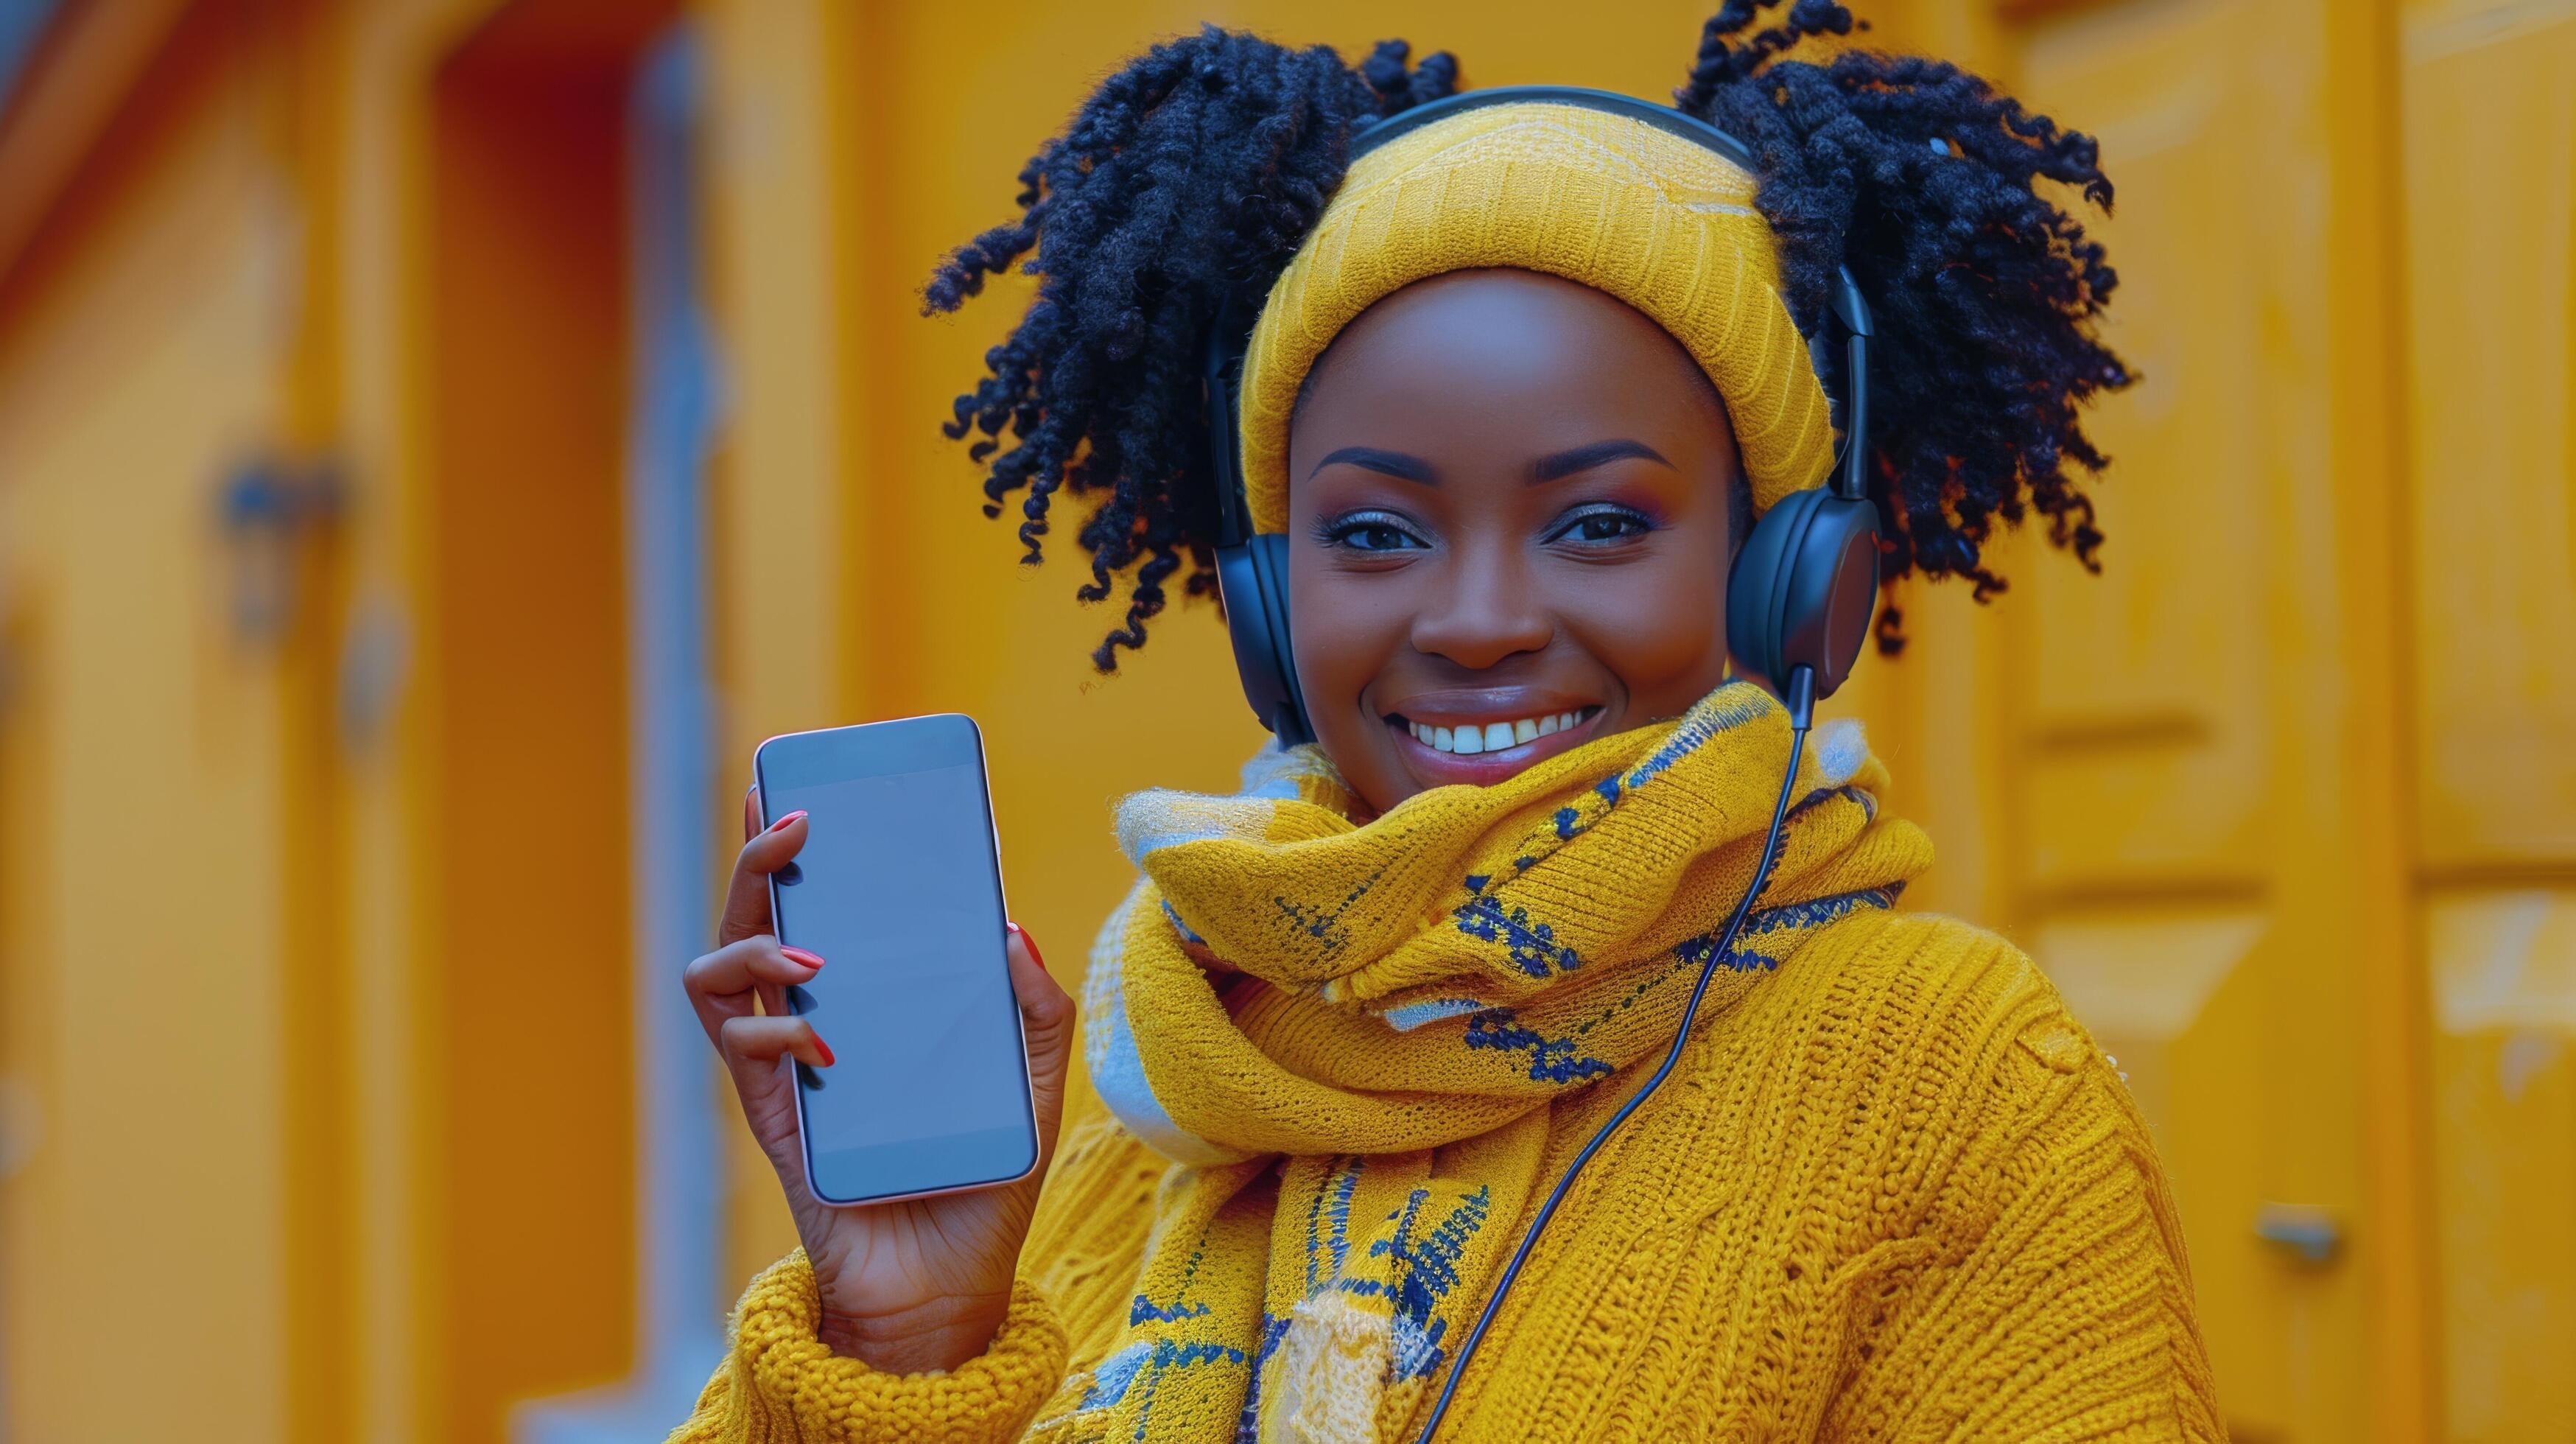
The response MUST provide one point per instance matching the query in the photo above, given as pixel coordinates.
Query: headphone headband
(1371, 134)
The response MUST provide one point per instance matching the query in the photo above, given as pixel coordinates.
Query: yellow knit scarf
(1347, 1035)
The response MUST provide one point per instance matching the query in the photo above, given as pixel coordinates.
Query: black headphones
(1804, 585)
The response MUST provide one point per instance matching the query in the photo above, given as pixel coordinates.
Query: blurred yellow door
(2292, 812)
(2490, 177)
(2205, 791)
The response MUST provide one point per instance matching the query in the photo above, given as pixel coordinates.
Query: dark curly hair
(1195, 172)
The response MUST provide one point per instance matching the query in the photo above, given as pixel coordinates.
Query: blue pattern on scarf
(1552, 1060)
(1427, 1273)
(1144, 1308)
(1532, 946)
(1325, 925)
(1811, 913)
(1337, 1215)
(1247, 1425)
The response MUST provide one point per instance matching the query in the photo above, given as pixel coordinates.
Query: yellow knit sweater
(1894, 1193)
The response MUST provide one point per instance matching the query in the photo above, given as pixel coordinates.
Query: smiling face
(1510, 523)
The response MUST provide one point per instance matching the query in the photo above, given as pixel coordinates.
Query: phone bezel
(992, 830)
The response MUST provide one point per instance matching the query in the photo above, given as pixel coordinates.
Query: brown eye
(1596, 525)
(1372, 532)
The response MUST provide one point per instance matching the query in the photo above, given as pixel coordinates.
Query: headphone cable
(1802, 706)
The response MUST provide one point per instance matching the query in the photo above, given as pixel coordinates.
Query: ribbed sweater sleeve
(779, 1383)
(2055, 1302)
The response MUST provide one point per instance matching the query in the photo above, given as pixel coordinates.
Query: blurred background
(438, 438)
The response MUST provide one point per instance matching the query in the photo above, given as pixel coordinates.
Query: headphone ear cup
(1804, 588)
(1753, 590)
(1253, 580)
(1270, 561)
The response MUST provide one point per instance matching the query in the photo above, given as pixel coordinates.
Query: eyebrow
(1390, 463)
(1598, 453)
(1406, 467)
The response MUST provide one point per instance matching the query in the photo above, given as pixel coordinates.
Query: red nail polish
(1031, 944)
(823, 1048)
(800, 955)
(782, 822)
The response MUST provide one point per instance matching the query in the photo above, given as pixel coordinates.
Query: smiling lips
(1468, 739)
(1483, 753)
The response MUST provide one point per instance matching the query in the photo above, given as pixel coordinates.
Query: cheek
(1343, 635)
(1660, 628)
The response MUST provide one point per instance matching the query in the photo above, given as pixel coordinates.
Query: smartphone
(899, 887)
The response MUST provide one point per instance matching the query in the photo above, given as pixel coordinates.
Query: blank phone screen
(898, 889)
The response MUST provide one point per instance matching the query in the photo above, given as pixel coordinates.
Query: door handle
(2310, 1235)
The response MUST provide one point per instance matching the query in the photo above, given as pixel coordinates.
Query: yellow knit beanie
(1612, 202)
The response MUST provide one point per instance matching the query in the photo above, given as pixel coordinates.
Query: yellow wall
(315, 1024)
(145, 949)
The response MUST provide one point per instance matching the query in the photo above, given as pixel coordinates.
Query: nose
(1486, 611)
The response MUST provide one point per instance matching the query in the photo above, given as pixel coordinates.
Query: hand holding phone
(909, 1285)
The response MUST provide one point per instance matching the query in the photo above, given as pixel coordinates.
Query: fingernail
(823, 1048)
(800, 955)
(1031, 944)
(782, 822)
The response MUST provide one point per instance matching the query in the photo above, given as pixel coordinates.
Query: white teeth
(1494, 736)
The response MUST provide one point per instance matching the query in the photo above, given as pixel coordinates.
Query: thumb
(1047, 1022)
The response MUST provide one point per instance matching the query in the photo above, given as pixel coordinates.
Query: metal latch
(2309, 1234)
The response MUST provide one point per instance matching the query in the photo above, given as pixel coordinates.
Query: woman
(1520, 384)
